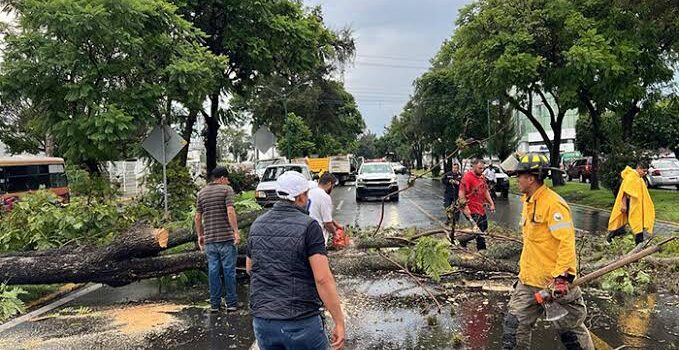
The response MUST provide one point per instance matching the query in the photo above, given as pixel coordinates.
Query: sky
(394, 42)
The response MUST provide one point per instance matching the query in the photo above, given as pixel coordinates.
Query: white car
(265, 194)
(663, 172)
(376, 180)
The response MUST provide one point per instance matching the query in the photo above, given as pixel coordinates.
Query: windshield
(264, 163)
(376, 169)
(272, 174)
(666, 164)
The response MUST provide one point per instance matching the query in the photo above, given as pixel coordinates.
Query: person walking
(491, 180)
(290, 277)
(451, 183)
(217, 228)
(633, 205)
(548, 260)
(321, 206)
(474, 191)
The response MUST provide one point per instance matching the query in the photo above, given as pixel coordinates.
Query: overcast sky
(394, 41)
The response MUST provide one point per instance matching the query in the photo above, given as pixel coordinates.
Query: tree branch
(529, 114)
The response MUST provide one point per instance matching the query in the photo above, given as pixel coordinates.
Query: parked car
(376, 180)
(399, 168)
(22, 175)
(580, 169)
(501, 181)
(262, 164)
(265, 194)
(663, 172)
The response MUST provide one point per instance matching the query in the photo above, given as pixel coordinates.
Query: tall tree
(234, 142)
(91, 76)
(297, 139)
(261, 38)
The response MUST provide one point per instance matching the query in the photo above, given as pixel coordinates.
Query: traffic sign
(264, 139)
(165, 151)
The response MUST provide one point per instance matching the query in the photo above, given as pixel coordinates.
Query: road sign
(161, 151)
(264, 139)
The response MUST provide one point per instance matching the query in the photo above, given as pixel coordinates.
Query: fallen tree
(141, 253)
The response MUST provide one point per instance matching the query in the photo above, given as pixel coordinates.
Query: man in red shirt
(474, 190)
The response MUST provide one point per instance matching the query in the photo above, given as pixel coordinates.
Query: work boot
(639, 238)
(480, 243)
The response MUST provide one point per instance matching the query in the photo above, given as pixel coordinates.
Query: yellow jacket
(548, 239)
(640, 212)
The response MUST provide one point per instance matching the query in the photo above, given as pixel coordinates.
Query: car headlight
(360, 181)
(260, 194)
(394, 179)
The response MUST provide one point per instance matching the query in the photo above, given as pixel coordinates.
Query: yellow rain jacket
(640, 212)
(548, 239)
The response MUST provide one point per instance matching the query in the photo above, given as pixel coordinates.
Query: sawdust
(145, 318)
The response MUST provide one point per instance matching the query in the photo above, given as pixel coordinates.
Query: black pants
(482, 222)
(638, 237)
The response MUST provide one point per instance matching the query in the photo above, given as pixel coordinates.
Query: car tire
(505, 194)
(394, 198)
(570, 178)
(343, 182)
(583, 179)
(677, 187)
(359, 198)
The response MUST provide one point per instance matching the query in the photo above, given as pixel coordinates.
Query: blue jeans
(221, 258)
(304, 334)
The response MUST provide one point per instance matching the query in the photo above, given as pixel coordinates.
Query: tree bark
(627, 120)
(555, 151)
(187, 134)
(212, 126)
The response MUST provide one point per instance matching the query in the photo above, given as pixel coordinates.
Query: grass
(665, 201)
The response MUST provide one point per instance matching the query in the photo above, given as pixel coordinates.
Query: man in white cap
(290, 277)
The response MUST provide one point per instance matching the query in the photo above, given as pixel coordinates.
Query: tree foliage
(235, 142)
(296, 140)
(91, 76)
(261, 40)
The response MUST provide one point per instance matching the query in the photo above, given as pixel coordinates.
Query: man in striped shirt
(218, 235)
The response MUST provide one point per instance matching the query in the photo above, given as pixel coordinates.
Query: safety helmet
(533, 163)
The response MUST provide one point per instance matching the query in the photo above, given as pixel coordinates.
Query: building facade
(529, 137)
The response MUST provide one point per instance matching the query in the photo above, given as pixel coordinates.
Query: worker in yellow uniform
(548, 260)
(633, 205)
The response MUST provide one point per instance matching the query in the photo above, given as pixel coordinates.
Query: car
(376, 180)
(501, 181)
(262, 164)
(663, 172)
(399, 168)
(265, 194)
(580, 169)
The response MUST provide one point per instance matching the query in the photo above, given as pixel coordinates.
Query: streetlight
(284, 96)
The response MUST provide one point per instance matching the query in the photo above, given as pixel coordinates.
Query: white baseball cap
(290, 185)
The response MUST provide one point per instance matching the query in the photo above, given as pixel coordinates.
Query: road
(422, 206)
(167, 314)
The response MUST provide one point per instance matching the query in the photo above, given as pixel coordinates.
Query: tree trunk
(555, 152)
(212, 124)
(187, 134)
(627, 121)
(596, 147)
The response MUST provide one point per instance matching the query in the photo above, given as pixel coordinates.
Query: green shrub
(242, 181)
(181, 189)
(430, 256)
(82, 183)
(10, 303)
(38, 221)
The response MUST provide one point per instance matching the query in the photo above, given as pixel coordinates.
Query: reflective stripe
(560, 226)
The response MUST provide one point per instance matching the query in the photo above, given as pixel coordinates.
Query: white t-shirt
(489, 174)
(321, 209)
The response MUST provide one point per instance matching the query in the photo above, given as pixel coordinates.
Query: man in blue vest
(290, 277)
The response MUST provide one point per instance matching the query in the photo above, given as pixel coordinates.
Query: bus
(21, 175)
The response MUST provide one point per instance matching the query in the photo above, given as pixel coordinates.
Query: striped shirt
(212, 202)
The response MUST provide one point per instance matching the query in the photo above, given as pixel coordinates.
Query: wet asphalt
(383, 312)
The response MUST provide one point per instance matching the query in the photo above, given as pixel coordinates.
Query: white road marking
(49, 307)
(348, 189)
(339, 206)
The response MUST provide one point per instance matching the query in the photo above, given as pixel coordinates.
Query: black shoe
(214, 310)
(639, 238)
(233, 308)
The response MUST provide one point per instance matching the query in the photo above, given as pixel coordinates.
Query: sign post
(163, 144)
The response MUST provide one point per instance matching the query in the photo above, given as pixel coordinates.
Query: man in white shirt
(320, 207)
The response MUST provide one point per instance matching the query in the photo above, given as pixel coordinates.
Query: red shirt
(475, 190)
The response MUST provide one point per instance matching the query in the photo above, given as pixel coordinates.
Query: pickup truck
(265, 194)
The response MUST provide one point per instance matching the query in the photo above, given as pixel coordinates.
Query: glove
(560, 287)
